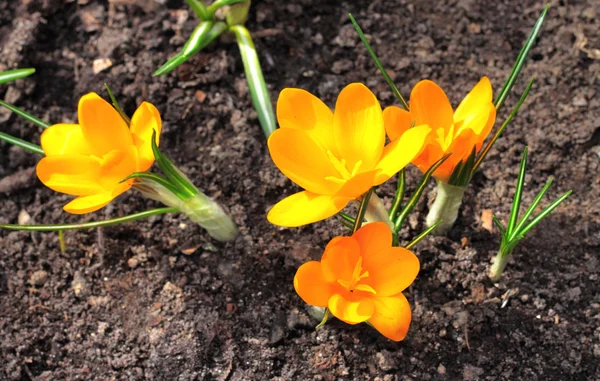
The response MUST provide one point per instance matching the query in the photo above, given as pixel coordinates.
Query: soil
(159, 300)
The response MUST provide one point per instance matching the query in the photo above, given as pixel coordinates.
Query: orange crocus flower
(361, 279)
(335, 156)
(90, 159)
(452, 132)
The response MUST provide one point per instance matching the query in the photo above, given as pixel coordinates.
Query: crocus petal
(71, 174)
(396, 121)
(117, 165)
(339, 259)
(358, 127)
(145, 120)
(349, 311)
(392, 270)
(88, 204)
(373, 238)
(305, 208)
(302, 160)
(62, 139)
(392, 316)
(311, 286)
(430, 105)
(358, 185)
(479, 125)
(102, 126)
(300, 110)
(480, 97)
(400, 152)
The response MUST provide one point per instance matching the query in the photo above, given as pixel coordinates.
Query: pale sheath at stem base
(445, 207)
(376, 211)
(498, 266)
(199, 208)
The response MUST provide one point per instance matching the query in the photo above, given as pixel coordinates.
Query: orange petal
(302, 160)
(373, 238)
(145, 120)
(63, 139)
(117, 165)
(392, 270)
(76, 175)
(396, 121)
(479, 98)
(339, 259)
(358, 127)
(88, 204)
(430, 105)
(311, 286)
(102, 126)
(300, 110)
(400, 152)
(304, 208)
(392, 316)
(349, 311)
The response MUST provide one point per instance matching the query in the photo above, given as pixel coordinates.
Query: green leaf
(176, 179)
(514, 213)
(325, 318)
(545, 212)
(362, 209)
(483, 153)
(463, 172)
(156, 178)
(13, 75)
(22, 144)
(399, 196)
(417, 194)
(518, 66)
(499, 225)
(117, 106)
(256, 81)
(221, 3)
(423, 234)
(199, 9)
(28, 117)
(385, 74)
(531, 208)
(88, 225)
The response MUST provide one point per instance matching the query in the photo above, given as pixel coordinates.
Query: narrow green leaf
(498, 224)
(256, 81)
(399, 196)
(221, 3)
(385, 74)
(518, 66)
(156, 178)
(423, 234)
(25, 115)
(545, 212)
(412, 202)
(199, 9)
(362, 209)
(22, 143)
(170, 65)
(325, 318)
(462, 173)
(88, 225)
(532, 208)
(116, 105)
(171, 172)
(194, 43)
(514, 213)
(13, 75)
(483, 153)
(347, 217)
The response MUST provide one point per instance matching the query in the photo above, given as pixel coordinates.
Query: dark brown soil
(127, 303)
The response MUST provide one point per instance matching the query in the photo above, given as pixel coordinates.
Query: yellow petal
(339, 259)
(300, 110)
(102, 126)
(117, 165)
(358, 126)
(373, 238)
(311, 286)
(61, 139)
(430, 105)
(480, 97)
(396, 121)
(145, 120)
(400, 152)
(358, 185)
(88, 204)
(305, 208)
(351, 311)
(479, 124)
(392, 270)
(392, 316)
(76, 175)
(302, 160)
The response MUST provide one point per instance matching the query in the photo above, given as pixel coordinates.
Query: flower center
(357, 276)
(340, 166)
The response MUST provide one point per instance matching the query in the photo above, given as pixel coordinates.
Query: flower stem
(500, 262)
(445, 207)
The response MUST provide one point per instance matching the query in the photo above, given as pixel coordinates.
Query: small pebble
(38, 278)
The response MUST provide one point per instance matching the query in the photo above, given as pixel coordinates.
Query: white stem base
(445, 207)
(497, 268)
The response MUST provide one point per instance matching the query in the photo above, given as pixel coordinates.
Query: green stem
(256, 81)
(61, 240)
(445, 207)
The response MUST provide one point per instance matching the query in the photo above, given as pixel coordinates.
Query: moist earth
(159, 300)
